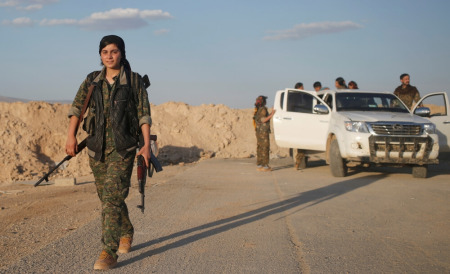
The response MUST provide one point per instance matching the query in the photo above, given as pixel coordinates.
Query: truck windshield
(368, 102)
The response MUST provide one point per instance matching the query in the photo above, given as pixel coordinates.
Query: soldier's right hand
(71, 146)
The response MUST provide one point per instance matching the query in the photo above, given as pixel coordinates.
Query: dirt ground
(32, 216)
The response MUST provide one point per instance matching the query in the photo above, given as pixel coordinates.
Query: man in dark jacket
(407, 93)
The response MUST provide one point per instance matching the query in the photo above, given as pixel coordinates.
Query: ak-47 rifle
(143, 171)
(81, 146)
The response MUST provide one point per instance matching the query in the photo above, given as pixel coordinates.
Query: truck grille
(401, 129)
(406, 150)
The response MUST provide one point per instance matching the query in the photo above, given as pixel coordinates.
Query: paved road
(223, 216)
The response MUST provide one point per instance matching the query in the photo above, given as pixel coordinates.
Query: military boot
(125, 244)
(105, 261)
(265, 168)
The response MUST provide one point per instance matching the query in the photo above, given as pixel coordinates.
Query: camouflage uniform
(299, 157)
(113, 172)
(408, 95)
(262, 137)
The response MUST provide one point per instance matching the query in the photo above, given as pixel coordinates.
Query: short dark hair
(340, 81)
(317, 84)
(299, 84)
(403, 75)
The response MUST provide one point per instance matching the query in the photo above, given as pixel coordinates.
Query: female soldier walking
(118, 110)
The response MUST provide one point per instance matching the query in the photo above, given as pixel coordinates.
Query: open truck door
(439, 115)
(301, 120)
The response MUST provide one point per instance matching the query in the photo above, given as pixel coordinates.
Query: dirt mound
(34, 136)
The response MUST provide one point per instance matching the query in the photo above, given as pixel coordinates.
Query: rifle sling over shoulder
(86, 102)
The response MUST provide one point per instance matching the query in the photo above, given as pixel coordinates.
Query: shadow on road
(312, 163)
(308, 199)
(282, 167)
(318, 160)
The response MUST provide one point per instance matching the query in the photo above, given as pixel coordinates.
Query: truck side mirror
(422, 111)
(321, 109)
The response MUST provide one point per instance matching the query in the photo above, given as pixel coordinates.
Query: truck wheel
(419, 171)
(337, 165)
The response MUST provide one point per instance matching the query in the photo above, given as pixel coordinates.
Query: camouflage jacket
(260, 126)
(408, 95)
(118, 111)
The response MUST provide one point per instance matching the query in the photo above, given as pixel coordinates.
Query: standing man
(407, 93)
(317, 86)
(300, 155)
(261, 120)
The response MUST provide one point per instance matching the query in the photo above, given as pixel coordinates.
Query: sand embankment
(34, 134)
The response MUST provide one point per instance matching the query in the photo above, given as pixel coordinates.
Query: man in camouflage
(261, 120)
(119, 108)
(407, 93)
(300, 153)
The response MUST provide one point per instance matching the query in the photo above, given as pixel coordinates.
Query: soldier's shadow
(308, 198)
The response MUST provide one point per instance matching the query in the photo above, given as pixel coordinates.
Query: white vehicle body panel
(290, 127)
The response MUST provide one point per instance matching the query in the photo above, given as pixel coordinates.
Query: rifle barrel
(45, 177)
(80, 147)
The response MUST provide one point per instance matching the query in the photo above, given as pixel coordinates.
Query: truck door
(440, 116)
(296, 125)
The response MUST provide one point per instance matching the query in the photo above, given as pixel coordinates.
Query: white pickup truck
(362, 128)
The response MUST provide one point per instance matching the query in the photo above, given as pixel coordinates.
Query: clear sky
(225, 52)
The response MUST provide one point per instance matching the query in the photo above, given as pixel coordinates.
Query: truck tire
(420, 171)
(337, 164)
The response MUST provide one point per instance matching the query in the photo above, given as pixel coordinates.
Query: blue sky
(225, 52)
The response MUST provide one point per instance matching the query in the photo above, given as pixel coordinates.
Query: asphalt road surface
(223, 216)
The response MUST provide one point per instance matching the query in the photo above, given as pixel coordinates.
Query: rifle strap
(86, 102)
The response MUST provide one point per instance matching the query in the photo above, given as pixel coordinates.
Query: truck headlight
(429, 128)
(356, 126)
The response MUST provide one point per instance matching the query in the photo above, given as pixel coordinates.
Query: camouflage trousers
(112, 179)
(262, 148)
(299, 156)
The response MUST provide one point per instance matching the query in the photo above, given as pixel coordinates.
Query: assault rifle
(143, 170)
(155, 165)
(80, 146)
